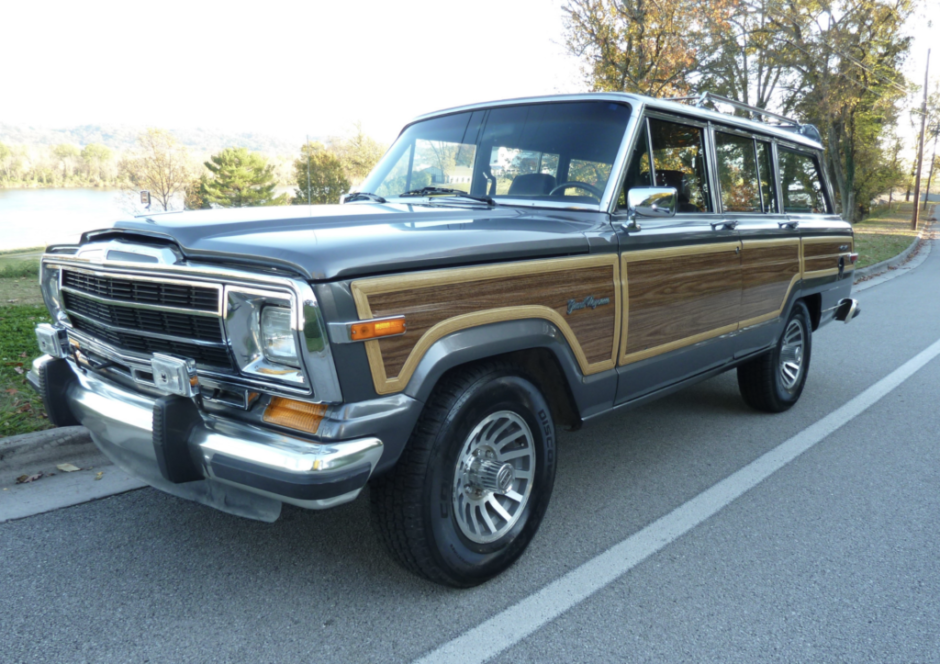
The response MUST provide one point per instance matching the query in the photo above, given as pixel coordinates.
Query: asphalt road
(832, 558)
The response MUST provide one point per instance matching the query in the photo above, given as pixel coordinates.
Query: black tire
(413, 506)
(763, 381)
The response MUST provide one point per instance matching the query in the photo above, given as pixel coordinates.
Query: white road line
(515, 623)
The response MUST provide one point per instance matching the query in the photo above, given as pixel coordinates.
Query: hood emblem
(590, 302)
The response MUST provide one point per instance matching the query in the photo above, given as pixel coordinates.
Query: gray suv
(506, 269)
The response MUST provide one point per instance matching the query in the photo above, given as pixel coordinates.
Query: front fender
(591, 394)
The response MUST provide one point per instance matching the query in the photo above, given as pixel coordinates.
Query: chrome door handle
(792, 225)
(727, 224)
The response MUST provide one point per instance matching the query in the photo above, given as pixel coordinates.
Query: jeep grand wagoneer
(506, 269)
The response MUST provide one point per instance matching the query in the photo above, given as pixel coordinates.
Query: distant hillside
(122, 137)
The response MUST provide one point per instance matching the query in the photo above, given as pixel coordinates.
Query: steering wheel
(591, 189)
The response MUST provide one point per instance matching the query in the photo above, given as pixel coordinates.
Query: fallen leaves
(99, 475)
(25, 479)
(67, 467)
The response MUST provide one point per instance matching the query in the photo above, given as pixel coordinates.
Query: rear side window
(801, 183)
(679, 161)
(737, 173)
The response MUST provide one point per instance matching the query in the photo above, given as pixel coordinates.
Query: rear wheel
(774, 381)
(471, 488)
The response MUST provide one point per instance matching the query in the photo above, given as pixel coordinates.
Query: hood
(324, 242)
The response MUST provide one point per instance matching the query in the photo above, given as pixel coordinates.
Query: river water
(39, 217)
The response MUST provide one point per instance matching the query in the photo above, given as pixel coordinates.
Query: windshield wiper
(431, 191)
(363, 195)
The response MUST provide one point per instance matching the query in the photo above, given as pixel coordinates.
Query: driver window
(679, 161)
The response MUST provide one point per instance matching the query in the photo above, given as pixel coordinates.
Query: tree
(66, 154)
(327, 176)
(738, 58)
(848, 55)
(95, 156)
(640, 46)
(358, 153)
(193, 194)
(240, 179)
(159, 164)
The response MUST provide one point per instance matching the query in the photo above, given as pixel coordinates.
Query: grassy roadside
(21, 308)
(21, 408)
(885, 233)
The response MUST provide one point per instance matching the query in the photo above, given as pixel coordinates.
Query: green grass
(31, 250)
(885, 233)
(17, 291)
(19, 269)
(21, 408)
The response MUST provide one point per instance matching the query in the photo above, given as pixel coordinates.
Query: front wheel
(774, 381)
(471, 488)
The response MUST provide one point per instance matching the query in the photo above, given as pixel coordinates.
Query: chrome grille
(145, 316)
(207, 355)
(203, 328)
(181, 296)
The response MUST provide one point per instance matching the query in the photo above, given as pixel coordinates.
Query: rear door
(681, 276)
(770, 258)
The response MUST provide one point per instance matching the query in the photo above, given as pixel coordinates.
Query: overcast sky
(289, 68)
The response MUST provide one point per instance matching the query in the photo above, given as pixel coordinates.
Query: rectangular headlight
(277, 339)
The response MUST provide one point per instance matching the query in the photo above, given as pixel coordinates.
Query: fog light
(52, 341)
(174, 375)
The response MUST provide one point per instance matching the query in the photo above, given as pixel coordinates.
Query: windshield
(559, 151)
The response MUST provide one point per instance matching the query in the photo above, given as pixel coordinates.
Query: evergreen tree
(327, 176)
(240, 179)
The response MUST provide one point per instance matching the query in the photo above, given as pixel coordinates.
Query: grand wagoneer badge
(587, 303)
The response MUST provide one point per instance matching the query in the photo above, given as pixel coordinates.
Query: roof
(649, 102)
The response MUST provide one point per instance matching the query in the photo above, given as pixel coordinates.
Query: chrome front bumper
(245, 470)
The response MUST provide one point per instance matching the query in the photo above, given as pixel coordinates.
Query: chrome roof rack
(789, 124)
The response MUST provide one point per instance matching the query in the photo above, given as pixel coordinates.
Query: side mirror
(652, 201)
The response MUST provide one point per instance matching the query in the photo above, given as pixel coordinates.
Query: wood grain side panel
(821, 255)
(438, 303)
(769, 270)
(677, 299)
(424, 308)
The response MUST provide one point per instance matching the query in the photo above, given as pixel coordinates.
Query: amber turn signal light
(292, 414)
(372, 329)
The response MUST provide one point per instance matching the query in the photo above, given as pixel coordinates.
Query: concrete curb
(901, 258)
(33, 446)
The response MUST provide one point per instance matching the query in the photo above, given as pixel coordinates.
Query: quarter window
(801, 183)
(737, 173)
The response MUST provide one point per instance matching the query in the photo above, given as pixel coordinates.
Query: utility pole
(920, 150)
(935, 130)
(307, 149)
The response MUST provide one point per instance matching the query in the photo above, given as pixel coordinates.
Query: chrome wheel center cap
(489, 475)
